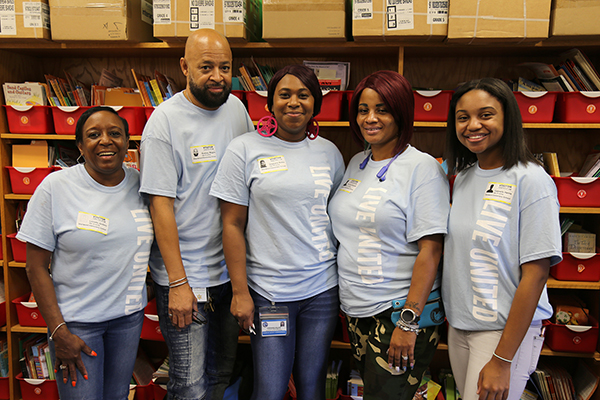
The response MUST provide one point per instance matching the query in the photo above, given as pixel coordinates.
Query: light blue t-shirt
(499, 221)
(182, 146)
(286, 187)
(100, 237)
(379, 223)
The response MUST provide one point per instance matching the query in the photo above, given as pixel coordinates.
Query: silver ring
(170, 315)
(63, 366)
(404, 358)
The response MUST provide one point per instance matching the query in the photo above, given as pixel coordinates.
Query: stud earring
(266, 126)
(312, 129)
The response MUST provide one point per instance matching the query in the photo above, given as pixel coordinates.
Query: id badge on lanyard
(274, 321)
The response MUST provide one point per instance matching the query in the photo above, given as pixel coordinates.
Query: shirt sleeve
(37, 227)
(230, 183)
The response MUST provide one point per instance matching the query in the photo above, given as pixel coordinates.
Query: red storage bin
(4, 390)
(582, 107)
(2, 316)
(572, 338)
(331, 108)
(26, 180)
(432, 105)
(239, 94)
(578, 191)
(160, 391)
(144, 392)
(148, 112)
(536, 106)
(150, 327)
(29, 119)
(37, 389)
(135, 116)
(66, 117)
(577, 267)
(18, 248)
(28, 313)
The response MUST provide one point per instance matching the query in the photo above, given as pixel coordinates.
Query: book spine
(150, 95)
(156, 92)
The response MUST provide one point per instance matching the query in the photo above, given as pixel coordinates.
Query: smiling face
(104, 146)
(293, 107)
(479, 127)
(377, 125)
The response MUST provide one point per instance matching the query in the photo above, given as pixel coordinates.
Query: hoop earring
(312, 129)
(266, 126)
(80, 159)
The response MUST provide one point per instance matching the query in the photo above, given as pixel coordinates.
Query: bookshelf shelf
(556, 284)
(49, 136)
(579, 210)
(29, 329)
(13, 196)
(14, 264)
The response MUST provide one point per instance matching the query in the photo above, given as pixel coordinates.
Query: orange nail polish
(94, 353)
(65, 380)
(85, 376)
(73, 383)
(55, 370)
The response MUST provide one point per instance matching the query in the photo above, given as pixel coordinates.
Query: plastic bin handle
(591, 95)
(34, 381)
(583, 180)
(152, 317)
(29, 304)
(583, 256)
(68, 108)
(429, 93)
(533, 95)
(22, 108)
(578, 328)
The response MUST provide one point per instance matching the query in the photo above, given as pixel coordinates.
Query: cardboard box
(575, 18)
(493, 21)
(30, 155)
(175, 20)
(304, 19)
(579, 242)
(126, 20)
(25, 20)
(418, 20)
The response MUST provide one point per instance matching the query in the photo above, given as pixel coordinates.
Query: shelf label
(234, 11)
(161, 12)
(437, 12)
(202, 14)
(36, 15)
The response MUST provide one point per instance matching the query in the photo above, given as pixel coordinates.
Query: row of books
(154, 89)
(573, 73)
(553, 382)
(255, 76)
(591, 165)
(35, 360)
(3, 357)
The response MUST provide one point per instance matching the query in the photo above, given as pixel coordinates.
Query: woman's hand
(242, 308)
(68, 349)
(401, 352)
(182, 302)
(494, 380)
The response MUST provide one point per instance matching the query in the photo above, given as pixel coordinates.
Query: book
(585, 66)
(157, 95)
(551, 163)
(591, 165)
(139, 82)
(585, 381)
(150, 94)
(142, 369)
(25, 94)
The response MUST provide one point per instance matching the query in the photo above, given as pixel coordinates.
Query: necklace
(382, 171)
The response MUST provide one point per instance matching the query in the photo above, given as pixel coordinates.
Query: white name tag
(204, 153)
(502, 192)
(272, 164)
(274, 327)
(92, 222)
(200, 294)
(350, 185)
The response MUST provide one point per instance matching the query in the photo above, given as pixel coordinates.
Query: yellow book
(156, 91)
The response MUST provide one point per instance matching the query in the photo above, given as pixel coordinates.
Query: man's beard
(206, 97)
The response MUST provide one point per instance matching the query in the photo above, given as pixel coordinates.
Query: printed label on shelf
(437, 12)
(362, 9)
(161, 12)
(147, 11)
(36, 15)
(202, 14)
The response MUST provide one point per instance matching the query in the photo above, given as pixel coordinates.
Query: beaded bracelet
(408, 327)
(502, 358)
(51, 337)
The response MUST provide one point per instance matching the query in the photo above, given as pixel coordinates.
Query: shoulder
(422, 164)
(326, 144)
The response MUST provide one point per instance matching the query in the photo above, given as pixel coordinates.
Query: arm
(234, 246)
(181, 298)
(68, 347)
(494, 378)
(423, 276)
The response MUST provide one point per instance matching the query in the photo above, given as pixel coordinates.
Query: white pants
(469, 351)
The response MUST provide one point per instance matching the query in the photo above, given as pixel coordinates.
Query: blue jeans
(201, 357)
(305, 351)
(109, 373)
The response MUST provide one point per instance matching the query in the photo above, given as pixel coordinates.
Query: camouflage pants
(370, 338)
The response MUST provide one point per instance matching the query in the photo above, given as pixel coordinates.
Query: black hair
(88, 113)
(308, 79)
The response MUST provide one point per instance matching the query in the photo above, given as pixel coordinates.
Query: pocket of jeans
(536, 349)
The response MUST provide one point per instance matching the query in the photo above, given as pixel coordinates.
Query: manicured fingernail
(391, 366)
(73, 383)
(94, 353)
(85, 376)
(398, 369)
(64, 380)
(412, 365)
(404, 368)
(55, 370)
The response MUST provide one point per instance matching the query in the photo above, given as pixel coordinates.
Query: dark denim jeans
(109, 373)
(305, 350)
(201, 357)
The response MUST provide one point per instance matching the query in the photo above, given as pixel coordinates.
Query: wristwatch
(408, 316)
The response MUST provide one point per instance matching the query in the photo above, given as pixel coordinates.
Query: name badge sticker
(200, 294)
(272, 164)
(350, 185)
(204, 153)
(92, 222)
(502, 192)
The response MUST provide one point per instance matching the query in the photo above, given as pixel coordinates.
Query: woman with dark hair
(274, 185)
(90, 225)
(389, 216)
(503, 237)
